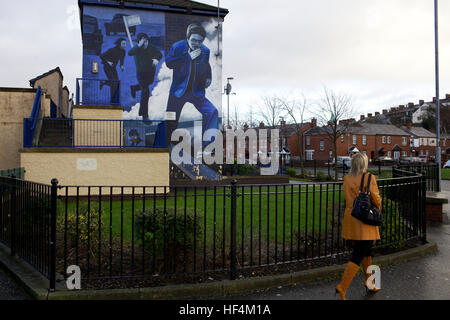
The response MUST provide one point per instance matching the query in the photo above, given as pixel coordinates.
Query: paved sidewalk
(10, 290)
(426, 278)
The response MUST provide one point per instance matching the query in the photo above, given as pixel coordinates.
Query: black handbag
(363, 209)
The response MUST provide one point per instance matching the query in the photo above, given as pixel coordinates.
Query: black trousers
(111, 74)
(361, 249)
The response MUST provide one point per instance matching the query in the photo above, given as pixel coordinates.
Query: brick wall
(371, 147)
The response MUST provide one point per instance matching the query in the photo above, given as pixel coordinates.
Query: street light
(228, 89)
(438, 124)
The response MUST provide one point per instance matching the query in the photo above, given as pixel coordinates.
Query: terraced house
(372, 139)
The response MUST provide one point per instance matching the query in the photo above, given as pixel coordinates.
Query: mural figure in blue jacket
(189, 60)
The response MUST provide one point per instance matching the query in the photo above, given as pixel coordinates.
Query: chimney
(410, 104)
(313, 122)
(393, 109)
(283, 124)
(377, 113)
(385, 111)
(421, 102)
(363, 117)
(409, 125)
(401, 107)
(261, 125)
(447, 96)
(245, 127)
(369, 115)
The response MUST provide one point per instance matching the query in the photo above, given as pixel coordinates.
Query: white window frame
(389, 140)
(389, 154)
(355, 139)
(342, 138)
(404, 141)
(364, 140)
(309, 155)
(322, 145)
(383, 140)
(308, 140)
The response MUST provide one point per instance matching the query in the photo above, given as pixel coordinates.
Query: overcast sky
(379, 51)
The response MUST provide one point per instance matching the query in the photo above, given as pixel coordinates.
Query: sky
(380, 52)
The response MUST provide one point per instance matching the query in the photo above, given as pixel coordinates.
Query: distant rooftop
(33, 81)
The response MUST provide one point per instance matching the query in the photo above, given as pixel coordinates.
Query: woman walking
(361, 235)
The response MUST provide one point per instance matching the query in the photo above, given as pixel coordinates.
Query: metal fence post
(233, 231)
(52, 267)
(423, 190)
(13, 214)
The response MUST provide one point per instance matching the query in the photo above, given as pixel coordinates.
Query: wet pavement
(10, 290)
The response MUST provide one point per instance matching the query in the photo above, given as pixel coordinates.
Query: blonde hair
(359, 164)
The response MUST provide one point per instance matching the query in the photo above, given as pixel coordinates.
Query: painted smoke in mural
(185, 81)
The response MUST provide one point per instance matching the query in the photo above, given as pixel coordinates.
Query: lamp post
(438, 124)
(228, 89)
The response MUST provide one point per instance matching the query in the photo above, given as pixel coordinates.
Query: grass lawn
(446, 174)
(276, 212)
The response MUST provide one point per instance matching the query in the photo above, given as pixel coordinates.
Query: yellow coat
(352, 228)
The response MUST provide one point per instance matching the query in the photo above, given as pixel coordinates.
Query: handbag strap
(362, 183)
(368, 184)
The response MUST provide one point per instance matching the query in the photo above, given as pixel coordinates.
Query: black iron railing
(129, 232)
(429, 170)
(26, 223)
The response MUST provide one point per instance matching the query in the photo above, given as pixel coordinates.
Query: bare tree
(270, 110)
(332, 109)
(295, 109)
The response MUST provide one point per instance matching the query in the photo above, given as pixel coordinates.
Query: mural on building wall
(154, 77)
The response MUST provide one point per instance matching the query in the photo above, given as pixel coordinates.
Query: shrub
(82, 228)
(291, 172)
(174, 230)
(320, 176)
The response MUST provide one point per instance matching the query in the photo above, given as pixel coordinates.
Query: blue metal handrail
(96, 133)
(30, 124)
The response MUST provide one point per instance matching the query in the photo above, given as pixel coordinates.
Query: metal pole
(52, 267)
(13, 215)
(233, 231)
(438, 127)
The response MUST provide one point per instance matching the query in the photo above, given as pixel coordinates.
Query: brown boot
(349, 274)
(366, 263)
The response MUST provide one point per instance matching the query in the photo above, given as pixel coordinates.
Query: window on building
(383, 139)
(364, 140)
(322, 145)
(364, 152)
(425, 142)
(331, 154)
(389, 154)
(308, 140)
(354, 139)
(309, 155)
(342, 138)
(389, 140)
(428, 152)
(404, 154)
(421, 152)
(404, 141)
